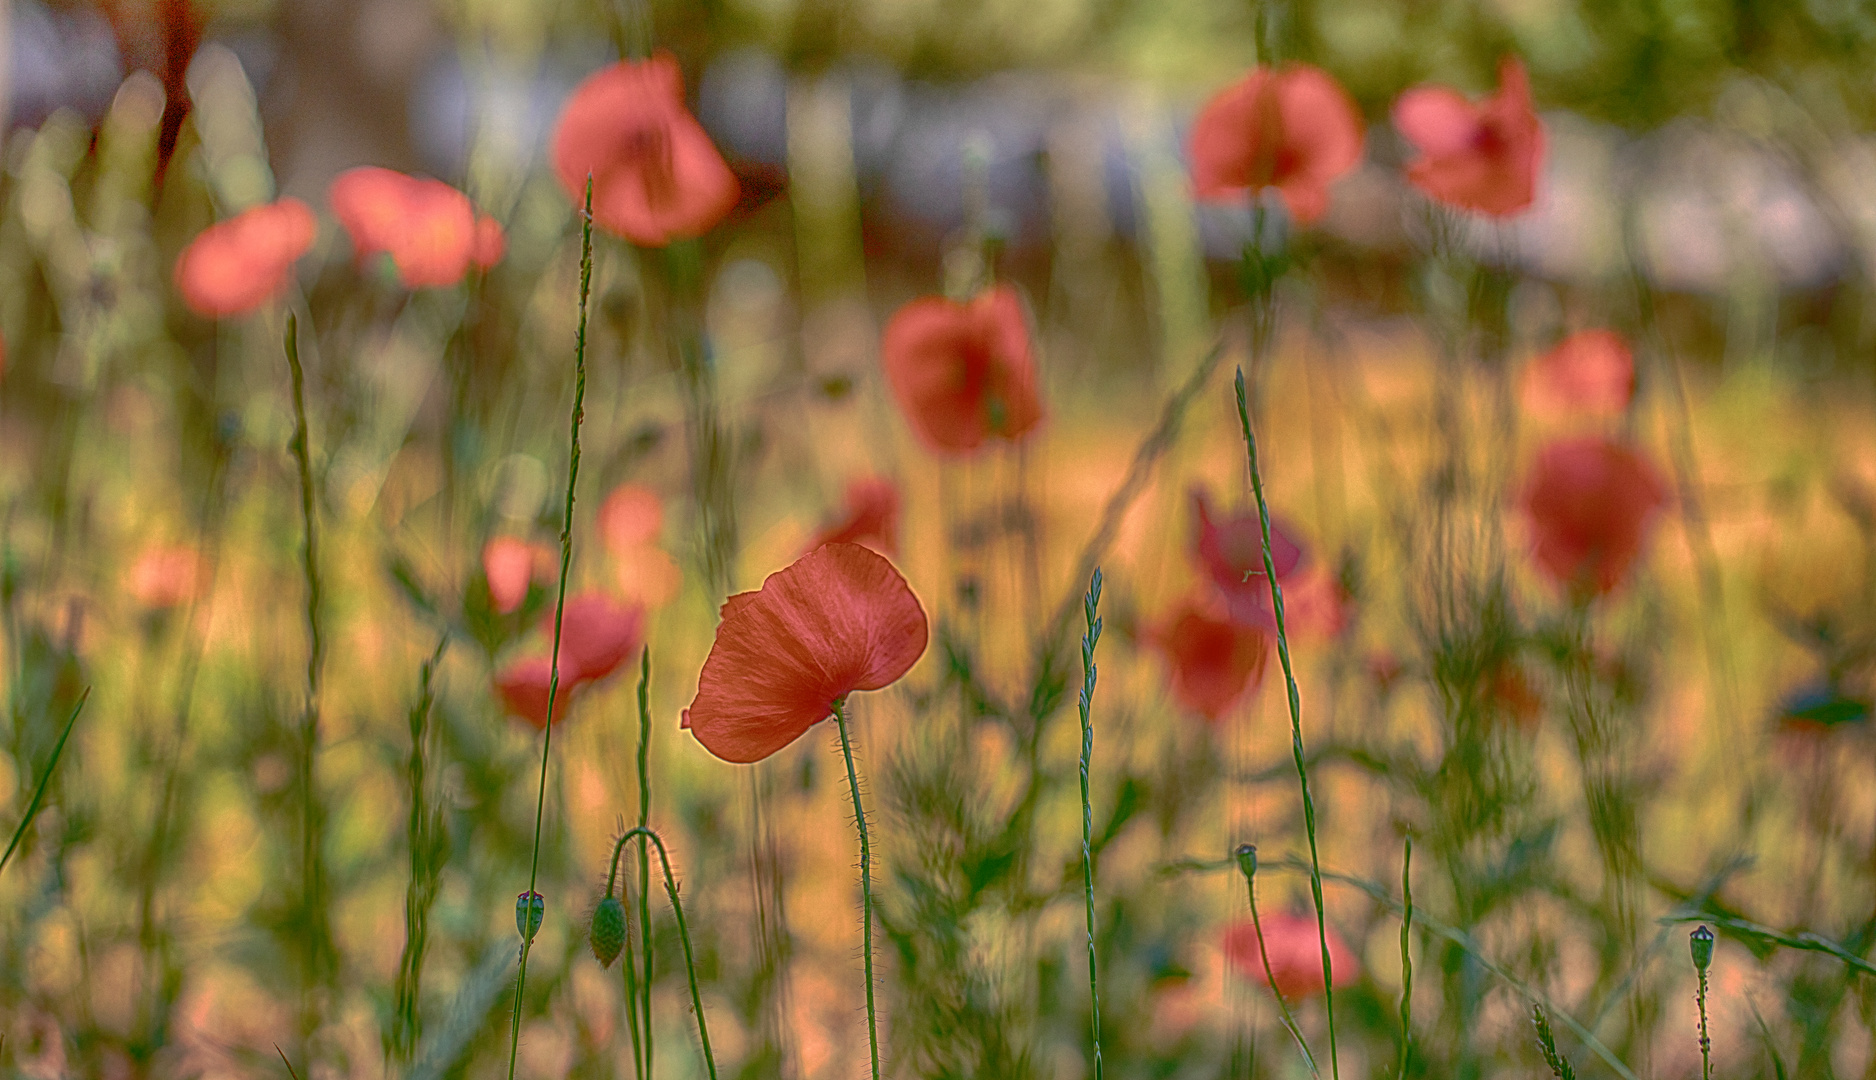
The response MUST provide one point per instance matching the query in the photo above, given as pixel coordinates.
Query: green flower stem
(1296, 725)
(644, 852)
(1088, 642)
(866, 882)
(1406, 956)
(1246, 855)
(560, 603)
(683, 931)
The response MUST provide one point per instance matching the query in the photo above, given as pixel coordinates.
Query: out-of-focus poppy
(837, 620)
(1293, 129)
(962, 373)
(1482, 157)
(657, 177)
(164, 577)
(237, 265)
(1589, 373)
(429, 229)
(508, 566)
(1231, 552)
(872, 517)
(525, 684)
(1212, 659)
(631, 516)
(1295, 951)
(1592, 504)
(1508, 691)
(597, 634)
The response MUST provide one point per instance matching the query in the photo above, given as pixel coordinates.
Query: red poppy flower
(165, 577)
(1231, 552)
(631, 516)
(508, 566)
(1294, 129)
(962, 372)
(237, 265)
(1212, 659)
(1482, 157)
(657, 177)
(872, 517)
(1592, 504)
(429, 229)
(1589, 373)
(524, 685)
(1295, 953)
(839, 619)
(597, 634)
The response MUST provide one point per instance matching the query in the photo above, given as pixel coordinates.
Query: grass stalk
(1246, 858)
(424, 839)
(644, 834)
(317, 938)
(866, 882)
(644, 851)
(1406, 956)
(45, 781)
(1088, 642)
(560, 605)
(1296, 724)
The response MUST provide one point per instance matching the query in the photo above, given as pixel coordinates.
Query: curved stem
(560, 603)
(866, 882)
(1296, 725)
(1247, 865)
(683, 933)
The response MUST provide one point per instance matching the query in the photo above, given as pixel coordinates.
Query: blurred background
(1580, 777)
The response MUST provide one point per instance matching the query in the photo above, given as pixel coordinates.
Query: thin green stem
(45, 780)
(1296, 725)
(425, 868)
(1706, 1042)
(644, 853)
(1406, 956)
(1246, 856)
(1088, 642)
(866, 882)
(560, 602)
(683, 932)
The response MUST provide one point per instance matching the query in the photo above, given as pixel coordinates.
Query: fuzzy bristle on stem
(560, 602)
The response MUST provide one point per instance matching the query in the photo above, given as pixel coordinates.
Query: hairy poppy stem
(1296, 722)
(1246, 856)
(1088, 642)
(866, 882)
(530, 923)
(644, 852)
(645, 833)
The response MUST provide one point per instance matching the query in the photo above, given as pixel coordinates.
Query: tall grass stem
(1091, 608)
(1246, 856)
(645, 833)
(1406, 956)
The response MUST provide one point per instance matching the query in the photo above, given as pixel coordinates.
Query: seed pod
(607, 934)
(1701, 944)
(1246, 854)
(530, 906)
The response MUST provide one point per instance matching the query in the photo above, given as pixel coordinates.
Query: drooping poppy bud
(837, 620)
(1590, 373)
(1212, 659)
(429, 229)
(1482, 157)
(607, 934)
(1293, 129)
(1592, 504)
(657, 177)
(872, 517)
(962, 373)
(1231, 552)
(1295, 953)
(235, 266)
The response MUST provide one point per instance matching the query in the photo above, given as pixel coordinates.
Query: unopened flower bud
(1246, 854)
(530, 907)
(607, 934)
(1701, 944)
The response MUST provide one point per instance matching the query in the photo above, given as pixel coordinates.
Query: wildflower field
(801, 539)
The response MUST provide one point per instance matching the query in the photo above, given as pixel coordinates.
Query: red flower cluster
(1592, 504)
(1295, 953)
(839, 619)
(237, 265)
(962, 373)
(597, 635)
(872, 517)
(657, 177)
(1589, 374)
(430, 230)
(1482, 157)
(1293, 129)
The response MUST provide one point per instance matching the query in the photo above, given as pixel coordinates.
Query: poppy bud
(1246, 854)
(1700, 942)
(607, 934)
(530, 906)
